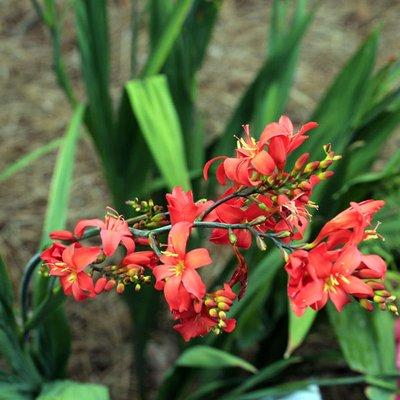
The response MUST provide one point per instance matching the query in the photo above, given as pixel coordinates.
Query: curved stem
(245, 192)
(26, 278)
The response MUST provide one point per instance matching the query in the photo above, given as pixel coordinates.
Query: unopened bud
(223, 306)
(210, 303)
(137, 287)
(258, 220)
(232, 237)
(120, 288)
(283, 234)
(213, 312)
(261, 243)
(305, 185)
(311, 167)
(378, 299)
(109, 285)
(221, 324)
(222, 315)
(383, 293)
(364, 303)
(301, 161)
(393, 308)
(325, 175)
(374, 285)
(326, 163)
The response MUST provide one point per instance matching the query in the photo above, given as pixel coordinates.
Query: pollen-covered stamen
(333, 281)
(179, 268)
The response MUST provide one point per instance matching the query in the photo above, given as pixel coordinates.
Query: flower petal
(197, 258)
(193, 284)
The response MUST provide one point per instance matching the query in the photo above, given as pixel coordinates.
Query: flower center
(179, 268)
(332, 282)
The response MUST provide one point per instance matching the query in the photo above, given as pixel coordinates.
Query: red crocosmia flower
(70, 269)
(323, 274)
(178, 276)
(355, 218)
(250, 162)
(53, 253)
(193, 324)
(181, 206)
(113, 231)
(282, 140)
(231, 213)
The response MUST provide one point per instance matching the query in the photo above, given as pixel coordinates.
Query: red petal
(197, 258)
(85, 223)
(193, 284)
(62, 235)
(263, 163)
(110, 240)
(178, 237)
(339, 298)
(84, 256)
(171, 292)
(208, 165)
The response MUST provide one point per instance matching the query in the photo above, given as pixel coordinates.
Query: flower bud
(120, 288)
(301, 161)
(311, 167)
(223, 306)
(232, 237)
(213, 312)
(109, 285)
(222, 315)
(261, 243)
(366, 304)
(325, 175)
(137, 287)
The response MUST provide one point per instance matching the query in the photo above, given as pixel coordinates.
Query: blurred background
(34, 111)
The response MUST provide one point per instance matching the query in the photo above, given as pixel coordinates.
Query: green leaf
(153, 107)
(298, 329)
(366, 339)
(92, 35)
(209, 357)
(261, 376)
(29, 158)
(6, 293)
(271, 79)
(57, 207)
(167, 39)
(292, 387)
(14, 391)
(69, 390)
(374, 393)
(53, 340)
(337, 110)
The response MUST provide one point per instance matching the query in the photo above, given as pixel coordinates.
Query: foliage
(157, 109)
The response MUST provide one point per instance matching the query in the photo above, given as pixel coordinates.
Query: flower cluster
(262, 201)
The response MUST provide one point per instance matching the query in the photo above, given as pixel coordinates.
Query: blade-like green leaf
(271, 77)
(209, 357)
(261, 376)
(298, 329)
(29, 158)
(6, 293)
(167, 39)
(366, 339)
(53, 340)
(69, 390)
(92, 35)
(153, 107)
(56, 214)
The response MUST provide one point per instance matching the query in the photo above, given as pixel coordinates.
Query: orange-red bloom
(71, 270)
(178, 276)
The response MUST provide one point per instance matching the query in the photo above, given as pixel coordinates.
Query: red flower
(350, 224)
(178, 276)
(324, 273)
(113, 231)
(250, 162)
(71, 268)
(282, 141)
(181, 206)
(202, 317)
(53, 253)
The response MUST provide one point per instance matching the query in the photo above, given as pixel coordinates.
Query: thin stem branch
(244, 193)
